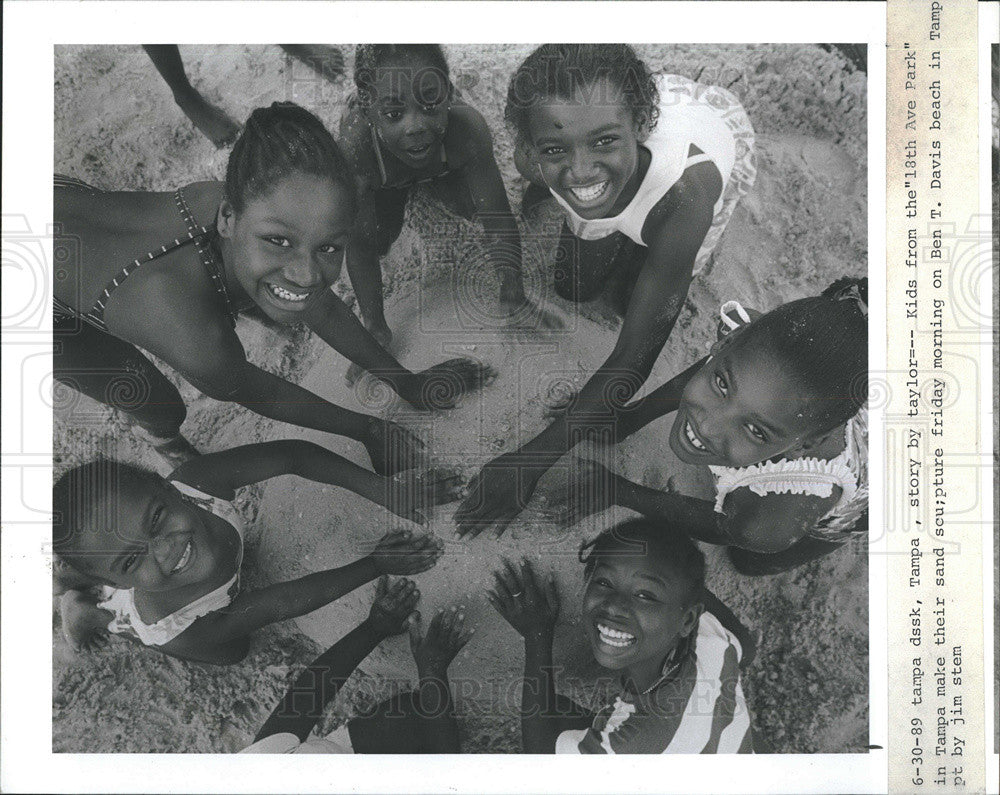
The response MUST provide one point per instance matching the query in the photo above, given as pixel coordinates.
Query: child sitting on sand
(159, 559)
(272, 236)
(647, 615)
(778, 414)
(648, 171)
(420, 722)
(406, 127)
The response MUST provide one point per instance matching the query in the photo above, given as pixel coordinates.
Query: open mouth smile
(693, 439)
(615, 638)
(184, 559)
(590, 193)
(287, 295)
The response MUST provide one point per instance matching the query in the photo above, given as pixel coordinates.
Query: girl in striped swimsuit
(273, 235)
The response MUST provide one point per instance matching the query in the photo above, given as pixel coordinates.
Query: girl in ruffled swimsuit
(778, 413)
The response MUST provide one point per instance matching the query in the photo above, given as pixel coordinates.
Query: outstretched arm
(661, 401)
(220, 474)
(305, 701)
(397, 553)
(407, 494)
(339, 327)
(503, 487)
(531, 606)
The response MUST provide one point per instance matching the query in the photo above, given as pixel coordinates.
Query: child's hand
(496, 496)
(412, 492)
(393, 449)
(446, 635)
(440, 387)
(401, 552)
(588, 489)
(393, 605)
(527, 604)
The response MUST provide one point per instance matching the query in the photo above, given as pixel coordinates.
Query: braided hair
(823, 340)
(368, 57)
(644, 536)
(278, 141)
(83, 499)
(560, 70)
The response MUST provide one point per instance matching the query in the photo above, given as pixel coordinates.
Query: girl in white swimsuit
(159, 559)
(647, 170)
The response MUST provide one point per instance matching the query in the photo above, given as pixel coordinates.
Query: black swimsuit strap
(199, 235)
(208, 259)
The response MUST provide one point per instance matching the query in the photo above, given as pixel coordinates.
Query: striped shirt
(696, 707)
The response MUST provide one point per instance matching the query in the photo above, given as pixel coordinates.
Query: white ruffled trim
(121, 601)
(809, 476)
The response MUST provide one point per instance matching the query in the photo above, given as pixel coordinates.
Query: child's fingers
(394, 537)
(434, 630)
(447, 620)
(528, 581)
(414, 630)
(381, 586)
(502, 588)
(552, 591)
(408, 601)
(513, 577)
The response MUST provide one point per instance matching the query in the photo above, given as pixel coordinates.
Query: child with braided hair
(778, 413)
(273, 235)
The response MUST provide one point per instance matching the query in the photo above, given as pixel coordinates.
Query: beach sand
(802, 226)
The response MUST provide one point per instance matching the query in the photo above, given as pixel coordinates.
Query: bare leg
(584, 267)
(324, 60)
(210, 120)
(115, 373)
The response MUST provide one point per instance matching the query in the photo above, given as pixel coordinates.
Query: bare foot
(84, 624)
(324, 60)
(213, 123)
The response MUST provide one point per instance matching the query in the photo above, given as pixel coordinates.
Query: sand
(802, 226)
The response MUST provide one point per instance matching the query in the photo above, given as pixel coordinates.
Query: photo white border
(989, 34)
(30, 32)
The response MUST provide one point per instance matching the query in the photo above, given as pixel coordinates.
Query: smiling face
(287, 246)
(587, 149)
(161, 541)
(409, 110)
(636, 611)
(741, 408)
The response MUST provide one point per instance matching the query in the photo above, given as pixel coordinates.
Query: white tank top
(690, 113)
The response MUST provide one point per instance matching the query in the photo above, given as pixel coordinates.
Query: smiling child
(168, 273)
(159, 559)
(648, 171)
(648, 617)
(778, 413)
(406, 127)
